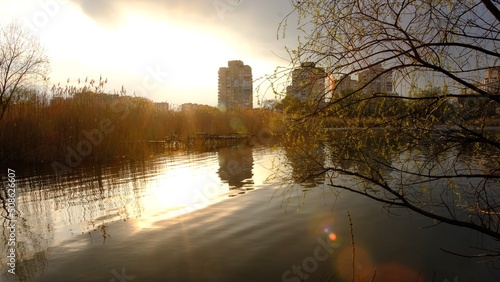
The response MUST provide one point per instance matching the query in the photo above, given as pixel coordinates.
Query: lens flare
(332, 236)
(326, 230)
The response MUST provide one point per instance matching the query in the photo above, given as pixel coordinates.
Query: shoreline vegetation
(86, 125)
(97, 127)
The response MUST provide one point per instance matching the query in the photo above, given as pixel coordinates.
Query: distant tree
(430, 157)
(23, 62)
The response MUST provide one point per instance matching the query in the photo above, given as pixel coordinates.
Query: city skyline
(166, 52)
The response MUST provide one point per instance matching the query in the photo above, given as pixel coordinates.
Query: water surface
(214, 217)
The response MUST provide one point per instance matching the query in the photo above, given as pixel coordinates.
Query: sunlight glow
(179, 191)
(186, 58)
(136, 42)
(172, 193)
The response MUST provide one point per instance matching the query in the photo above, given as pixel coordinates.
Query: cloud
(253, 23)
(112, 11)
(259, 17)
(102, 11)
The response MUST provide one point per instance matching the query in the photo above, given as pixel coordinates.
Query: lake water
(217, 217)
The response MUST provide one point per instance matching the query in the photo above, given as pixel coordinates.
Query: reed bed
(101, 127)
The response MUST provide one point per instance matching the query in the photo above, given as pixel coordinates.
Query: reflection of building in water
(307, 165)
(235, 165)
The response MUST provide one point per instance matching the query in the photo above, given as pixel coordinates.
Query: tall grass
(36, 129)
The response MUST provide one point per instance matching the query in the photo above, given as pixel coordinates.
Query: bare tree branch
(23, 63)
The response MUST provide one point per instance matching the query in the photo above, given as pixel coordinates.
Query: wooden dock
(204, 142)
(214, 141)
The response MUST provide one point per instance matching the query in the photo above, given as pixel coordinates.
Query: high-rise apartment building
(343, 84)
(235, 86)
(371, 81)
(375, 80)
(308, 82)
(491, 83)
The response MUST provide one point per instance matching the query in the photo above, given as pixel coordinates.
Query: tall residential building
(308, 82)
(372, 81)
(235, 85)
(491, 83)
(343, 84)
(375, 80)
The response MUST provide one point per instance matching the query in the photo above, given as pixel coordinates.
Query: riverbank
(97, 128)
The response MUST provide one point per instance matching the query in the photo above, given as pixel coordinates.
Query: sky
(164, 50)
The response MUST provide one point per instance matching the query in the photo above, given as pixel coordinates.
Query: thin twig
(374, 274)
(353, 247)
(494, 255)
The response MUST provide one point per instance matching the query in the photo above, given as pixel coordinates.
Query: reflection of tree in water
(372, 150)
(235, 166)
(31, 244)
(307, 164)
(92, 195)
(453, 182)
